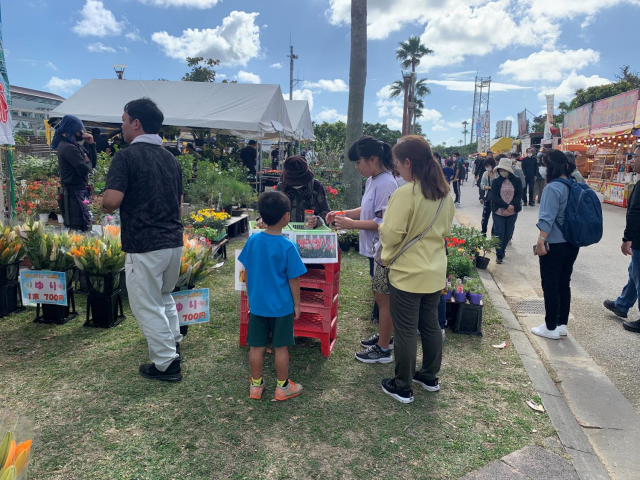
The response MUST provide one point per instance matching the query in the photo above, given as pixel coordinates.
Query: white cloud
(235, 42)
(248, 77)
(305, 94)
(548, 65)
(567, 89)
(201, 4)
(466, 86)
(386, 16)
(508, 117)
(124, 49)
(97, 21)
(458, 124)
(430, 115)
(276, 65)
(331, 116)
(135, 36)
(459, 75)
(63, 86)
(99, 47)
(52, 66)
(394, 124)
(337, 85)
(572, 8)
(480, 30)
(440, 128)
(388, 107)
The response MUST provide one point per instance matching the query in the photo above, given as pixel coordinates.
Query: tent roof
(300, 117)
(501, 144)
(242, 110)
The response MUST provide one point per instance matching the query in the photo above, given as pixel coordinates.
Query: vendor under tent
(300, 117)
(247, 111)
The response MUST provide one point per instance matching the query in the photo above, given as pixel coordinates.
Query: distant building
(30, 108)
(503, 128)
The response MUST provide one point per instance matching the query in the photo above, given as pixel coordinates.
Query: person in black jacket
(478, 171)
(506, 196)
(75, 163)
(530, 169)
(630, 246)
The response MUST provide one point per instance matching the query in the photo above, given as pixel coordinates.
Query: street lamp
(119, 69)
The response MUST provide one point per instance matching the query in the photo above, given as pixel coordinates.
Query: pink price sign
(192, 306)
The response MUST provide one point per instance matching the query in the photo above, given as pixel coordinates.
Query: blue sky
(528, 47)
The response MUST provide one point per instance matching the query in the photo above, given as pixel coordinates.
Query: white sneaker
(543, 331)
(562, 330)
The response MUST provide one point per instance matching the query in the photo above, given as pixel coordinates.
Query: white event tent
(242, 110)
(300, 117)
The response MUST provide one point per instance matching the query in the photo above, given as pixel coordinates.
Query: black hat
(296, 172)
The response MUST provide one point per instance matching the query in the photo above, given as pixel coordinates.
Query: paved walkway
(600, 273)
(593, 419)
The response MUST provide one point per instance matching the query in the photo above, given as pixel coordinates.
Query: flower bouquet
(196, 262)
(102, 259)
(48, 251)
(13, 457)
(11, 252)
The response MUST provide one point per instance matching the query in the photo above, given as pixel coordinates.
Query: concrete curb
(577, 445)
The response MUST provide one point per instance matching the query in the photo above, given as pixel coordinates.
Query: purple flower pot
(460, 297)
(448, 295)
(475, 298)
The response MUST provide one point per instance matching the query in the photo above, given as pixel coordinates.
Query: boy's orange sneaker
(255, 393)
(290, 391)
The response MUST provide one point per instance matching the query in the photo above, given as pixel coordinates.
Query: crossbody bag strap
(414, 240)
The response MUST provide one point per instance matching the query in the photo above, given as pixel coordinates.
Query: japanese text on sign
(43, 287)
(192, 306)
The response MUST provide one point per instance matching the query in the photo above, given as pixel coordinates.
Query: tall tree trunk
(351, 178)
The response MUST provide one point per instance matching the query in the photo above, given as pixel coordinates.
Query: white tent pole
(260, 161)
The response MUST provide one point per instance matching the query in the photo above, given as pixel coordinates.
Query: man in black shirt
(75, 162)
(249, 155)
(145, 182)
(101, 141)
(530, 168)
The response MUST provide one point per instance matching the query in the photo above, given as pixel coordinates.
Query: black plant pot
(344, 246)
(482, 262)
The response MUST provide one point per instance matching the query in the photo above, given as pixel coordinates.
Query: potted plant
(460, 295)
(209, 224)
(447, 292)
(475, 291)
(485, 245)
(459, 263)
(344, 241)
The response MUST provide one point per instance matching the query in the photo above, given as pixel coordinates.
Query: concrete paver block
(587, 465)
(541, 464)
(496, 470)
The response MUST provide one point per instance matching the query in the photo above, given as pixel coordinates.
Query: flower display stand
(10, 300)
(58, 314)
(319, 305)
(104, 302)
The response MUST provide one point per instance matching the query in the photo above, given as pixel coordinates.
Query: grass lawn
(97, 419)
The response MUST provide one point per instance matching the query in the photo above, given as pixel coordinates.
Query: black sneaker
(499, 261)
(428, 385)
(611, 306)
(389, 387)
(171, 374)
(374, 354)
(632, 326)
(373, 340)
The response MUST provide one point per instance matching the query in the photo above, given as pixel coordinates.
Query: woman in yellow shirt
(418, 274)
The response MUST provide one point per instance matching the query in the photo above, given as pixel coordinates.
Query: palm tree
(411, 51)
(357, 81)
(397, 88)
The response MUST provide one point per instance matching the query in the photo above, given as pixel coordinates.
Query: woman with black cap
(304, 191)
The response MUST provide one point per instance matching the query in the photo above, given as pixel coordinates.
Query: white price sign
(192, 306)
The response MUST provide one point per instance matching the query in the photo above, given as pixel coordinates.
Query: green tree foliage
(626, 81)
(201, 70)
(411, 52)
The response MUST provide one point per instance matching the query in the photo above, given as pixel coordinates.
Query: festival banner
(6, 125)
(486, 131)
(577, 121)
(550, 99)
(615, 111)
(478, 127)
(523, 127)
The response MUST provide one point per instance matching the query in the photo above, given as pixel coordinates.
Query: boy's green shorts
(261, 328)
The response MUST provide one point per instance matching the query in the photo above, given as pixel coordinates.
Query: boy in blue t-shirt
(449, 172)
(274, 268)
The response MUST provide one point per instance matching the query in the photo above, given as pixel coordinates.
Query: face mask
(488, 169)
(504, 174)
(298, 187)
(78, 138)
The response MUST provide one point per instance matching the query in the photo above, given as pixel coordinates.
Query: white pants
(151, 277)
